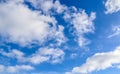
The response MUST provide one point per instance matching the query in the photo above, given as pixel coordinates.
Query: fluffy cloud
(21, 25)
(47, 54)
(15, 69)
(112, 6)
(13, 54)
(48, 5)
(50, 55)
(82, 24)
(99, 61)
(25, 26)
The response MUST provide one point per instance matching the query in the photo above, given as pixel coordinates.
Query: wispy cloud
(50, 55)
(82, 23)
(116, 31)
(15, 69)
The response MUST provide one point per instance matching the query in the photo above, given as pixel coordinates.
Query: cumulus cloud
(47, 5)
(82, 22)
(112, 6)
(21, 25)
(15, 69)
(13, 54)
(25, 26)
(46, 54)
(99, 61)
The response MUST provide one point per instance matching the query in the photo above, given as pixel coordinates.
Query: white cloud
(49, 72)
(99, 61)
(112, 6)
(82, 41)
(68, 73)
(47, 54)
(24, 26)
(116, 31)
(31, 27)
(47, 5)
(2, 68)
(15, 69)
(82, 24)
(19, 68)
(50, 55)
(13, 54)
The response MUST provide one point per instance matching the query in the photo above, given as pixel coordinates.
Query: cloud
(15, 53)
(116, 31)
(45, 54)
(49, 72)
(48, 6)
(82, 22)
(24, 26)
(39, 26)
(112, 6)
(15, 69)
(1, 68)
(99, 61)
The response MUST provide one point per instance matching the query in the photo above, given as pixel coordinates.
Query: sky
(59, 36)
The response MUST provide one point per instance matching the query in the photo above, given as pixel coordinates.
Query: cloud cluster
(15, 69)
(82, 22)
(45, 54)
(112, 6)
(48, 6)
(21, 25)
(25, 26)
(99, 61)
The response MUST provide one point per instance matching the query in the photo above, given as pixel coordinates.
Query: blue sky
(59, 36)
